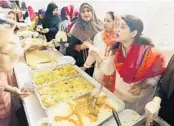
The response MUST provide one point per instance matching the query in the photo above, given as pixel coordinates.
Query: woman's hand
(22, 92)
(136, 89)
(45, 30)
(86, 44)
(152, 109)
(78, 47)
(83, 68)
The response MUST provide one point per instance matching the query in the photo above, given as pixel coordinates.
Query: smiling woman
(86, 27)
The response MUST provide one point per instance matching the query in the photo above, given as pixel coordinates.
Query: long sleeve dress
(81, 56)
(165, 90)
(101, 47)
(136, 103)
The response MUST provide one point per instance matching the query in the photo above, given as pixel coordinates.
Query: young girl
(10, 50)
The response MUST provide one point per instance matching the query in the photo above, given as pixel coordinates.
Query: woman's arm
(53, 29)
(71, 49)
(108, 67)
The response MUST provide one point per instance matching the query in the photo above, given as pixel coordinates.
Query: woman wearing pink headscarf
(72, 14)
(31, 13)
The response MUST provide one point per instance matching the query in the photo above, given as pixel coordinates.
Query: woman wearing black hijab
(50, 22)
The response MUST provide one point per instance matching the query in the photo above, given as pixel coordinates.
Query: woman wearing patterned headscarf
(65, 20)
(86, 27)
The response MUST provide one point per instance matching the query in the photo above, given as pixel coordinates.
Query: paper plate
(66, 60)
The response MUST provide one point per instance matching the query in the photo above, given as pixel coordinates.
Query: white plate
(66, 60)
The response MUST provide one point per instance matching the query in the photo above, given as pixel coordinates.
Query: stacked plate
(66, 60)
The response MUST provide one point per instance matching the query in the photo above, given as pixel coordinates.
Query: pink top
(5, 97)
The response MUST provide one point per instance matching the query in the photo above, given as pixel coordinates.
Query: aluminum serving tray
(97, 85)
(36, 90)
(142, 120)
(52, 68)
(51, 112)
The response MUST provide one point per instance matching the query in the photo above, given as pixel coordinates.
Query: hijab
(51, 20)
(41, 12)
(71, 12)
(63, 14)
(31, 13)
(86, 30)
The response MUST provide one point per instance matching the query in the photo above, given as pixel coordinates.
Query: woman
(10, 51)
(84, 29)
(102, 41)
(38, 21)
(71, 12)
(134, 67)
(50, 22)
(41, 15)
(31, 13)
(73, 15)
(12, 16)
(65, 20)
(164, 97)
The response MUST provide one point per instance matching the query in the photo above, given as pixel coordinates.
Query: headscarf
(31, 13)
(86, 30)
(71, 12)
(42, 12)
(63, 14)
(51, 20)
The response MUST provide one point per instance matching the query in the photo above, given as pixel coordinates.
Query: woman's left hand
(22, 92)
(46, 30)
(78, 47)
(136, 89)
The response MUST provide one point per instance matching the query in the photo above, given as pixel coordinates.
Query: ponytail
(142, 40)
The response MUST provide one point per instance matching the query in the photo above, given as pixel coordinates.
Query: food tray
(127, 117)
(58, 92)
(53, 74)
(142, 120)
(81, 111)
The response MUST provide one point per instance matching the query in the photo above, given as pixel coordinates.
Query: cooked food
(52, 94)
(45, 124)
(47, 76)
(82, 114)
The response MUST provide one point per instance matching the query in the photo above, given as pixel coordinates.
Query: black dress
(165, 90)
(81, 56)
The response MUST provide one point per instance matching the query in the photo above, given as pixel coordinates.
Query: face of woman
(123, 32)
(40, 16)
(9, 53)
(55, 11)
(86, 14)
(109, 23)
(12, 17)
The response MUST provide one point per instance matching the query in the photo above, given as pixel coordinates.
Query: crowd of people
(113, 51)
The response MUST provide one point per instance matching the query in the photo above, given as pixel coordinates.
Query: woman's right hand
(152, 109)
(21, 92)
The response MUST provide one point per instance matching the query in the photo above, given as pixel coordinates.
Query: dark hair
(112, 14)
(135, 23)
(26, 15)
(11, 12)
(63, 14)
